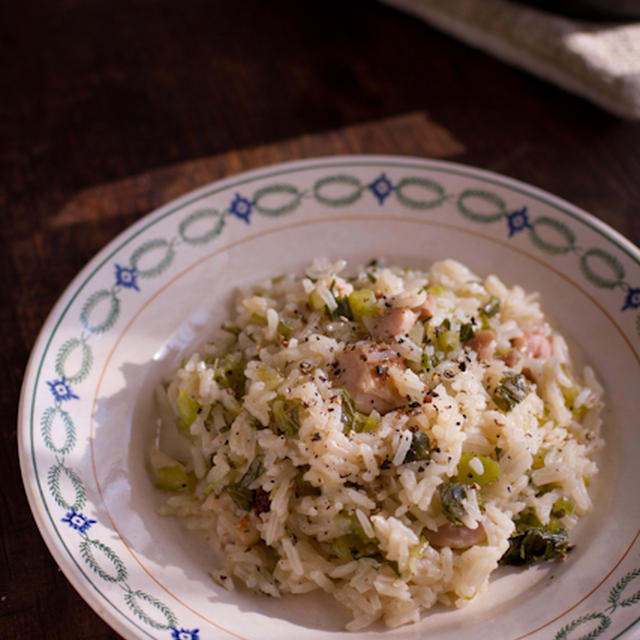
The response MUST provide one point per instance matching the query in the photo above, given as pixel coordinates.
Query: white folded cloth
(596, 60)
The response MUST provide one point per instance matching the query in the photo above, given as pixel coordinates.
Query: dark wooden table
(108, 109)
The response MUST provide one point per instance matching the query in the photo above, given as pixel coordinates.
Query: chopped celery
(468, 474)
(419, 449)
(321, 298)
(526, 519)
(241, 496)
(303, 488)
(490, 308)
(570, 394)
(363, 304)
(366, 424)
(467, 332)
(350, 547)
(229, 372)
(580, 412)
(286, 417)
(352, 418)
(283, 330)
(348, 410)
(188, 409)
(315, 300)
(258, 319)
(269, 376)
(230, 328)
(445, 339)
(357, 530)
(342, 310)
(538, 458)
(513, 388)
(563, 506)
(345, 547)
(285, 327)
(429, 361)
(437, 290)
(240, 492)
(430, 332)
(231, 411)
(546, 488)
(416, 367)
(451, 496)
(253, 472)
(209, 489)
(417, 551)
(174, 478)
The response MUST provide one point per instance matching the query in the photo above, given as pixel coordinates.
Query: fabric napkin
(599, 61)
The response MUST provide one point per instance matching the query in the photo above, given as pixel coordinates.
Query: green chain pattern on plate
(48, 426)
(89, 557)
(434, 189)
(295, 197)
(338, 180)
(485, 197)
(561, 230)
(204, 236)
(65, 352)
(94, 301)
(162, 264)
(54, 476)
(101, 311)
(132, 597)
(598, 256)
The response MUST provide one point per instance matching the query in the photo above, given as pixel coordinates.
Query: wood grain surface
(110, 109)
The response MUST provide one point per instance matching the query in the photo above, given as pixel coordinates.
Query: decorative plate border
(55, 429)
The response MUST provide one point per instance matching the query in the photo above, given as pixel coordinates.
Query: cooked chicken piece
(510, 358)
(448, 535)
(393, 322)
(248, 533)
(363, 369)
(535, 343)
(427, 308)
(484, 344)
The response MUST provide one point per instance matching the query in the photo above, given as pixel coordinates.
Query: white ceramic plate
(86, 411)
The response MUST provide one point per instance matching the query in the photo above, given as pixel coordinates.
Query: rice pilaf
(389, 438)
